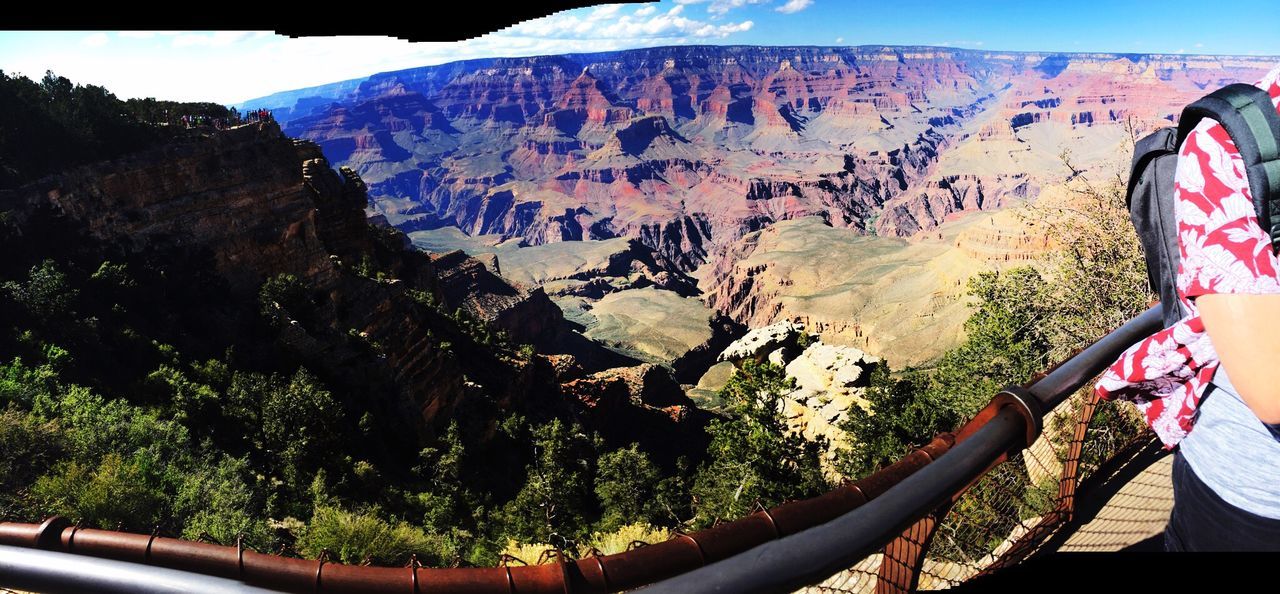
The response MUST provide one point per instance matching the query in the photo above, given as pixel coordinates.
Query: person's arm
(1228, 267)
(1245, 331)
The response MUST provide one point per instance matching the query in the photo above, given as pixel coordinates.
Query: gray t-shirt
(1234, 452)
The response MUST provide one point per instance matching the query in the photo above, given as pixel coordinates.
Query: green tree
(46, 293)
(447, 501)
(1005, 339)
(284, 297)
(753, 456)
(301, 425)
(625, 484)
(672, 498)
(905, 414)
(555, 501)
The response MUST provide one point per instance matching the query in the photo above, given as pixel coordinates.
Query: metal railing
(885, 522)
(37, 570)
(1011, 422)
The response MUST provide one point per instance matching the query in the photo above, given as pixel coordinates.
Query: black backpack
(1247, 114)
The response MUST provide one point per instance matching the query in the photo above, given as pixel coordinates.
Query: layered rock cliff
(690, 151)
(250, 204)
(688, 148)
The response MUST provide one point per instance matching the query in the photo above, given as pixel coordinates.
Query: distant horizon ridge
(1047, 53)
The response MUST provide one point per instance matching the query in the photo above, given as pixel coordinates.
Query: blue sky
(233, 66)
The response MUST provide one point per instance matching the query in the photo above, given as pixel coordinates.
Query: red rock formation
(254, 203)
(688, 148)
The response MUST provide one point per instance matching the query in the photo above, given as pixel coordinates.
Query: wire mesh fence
(1013, 510)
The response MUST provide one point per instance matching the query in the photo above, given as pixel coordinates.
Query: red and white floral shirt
(1223, 250)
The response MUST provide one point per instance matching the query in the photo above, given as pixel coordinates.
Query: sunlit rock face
(688, 148)
(696, 154)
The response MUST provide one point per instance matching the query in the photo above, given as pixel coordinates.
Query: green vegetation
(1023, 320)
(753, 458)
(116, 412)
(360, 537)
(53, 124)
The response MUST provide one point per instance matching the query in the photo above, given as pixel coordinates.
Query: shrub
(354, 537)
(115, 491)
(218, 498)
(609, 543)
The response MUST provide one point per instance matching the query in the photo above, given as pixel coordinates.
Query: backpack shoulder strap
(1161, 142)
(1247, 114)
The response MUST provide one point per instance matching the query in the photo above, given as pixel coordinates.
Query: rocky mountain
(686, 147)
(411, 332)
(690, 151)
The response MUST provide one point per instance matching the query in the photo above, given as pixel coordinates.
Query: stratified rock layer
(249, 203)
(685, 149)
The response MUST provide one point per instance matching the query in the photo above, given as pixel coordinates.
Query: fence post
(904, 556)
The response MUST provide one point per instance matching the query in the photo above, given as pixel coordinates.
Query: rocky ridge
(688, 148)
(250, 204)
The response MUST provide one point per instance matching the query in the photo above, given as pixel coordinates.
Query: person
(1224, 429)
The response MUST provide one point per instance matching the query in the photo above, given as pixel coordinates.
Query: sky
(234, 66)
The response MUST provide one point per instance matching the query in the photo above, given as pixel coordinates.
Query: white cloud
(1181, 51)
(646, 11)
(214, 39)
(95, 40)
(959, 43)
(136, 34)
(839, 40)
(722, 7)
(606, 11)
(1199, 45)
(602, 25)
(794, 6)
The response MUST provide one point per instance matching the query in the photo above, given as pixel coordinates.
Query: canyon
(227, 212)
(835, 186)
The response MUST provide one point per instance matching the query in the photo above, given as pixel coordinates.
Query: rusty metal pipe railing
(609, 573)
(38, 570)
(1010, 423)
(807, 557)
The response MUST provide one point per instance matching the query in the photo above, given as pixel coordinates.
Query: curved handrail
(811, 555)
(48, 571)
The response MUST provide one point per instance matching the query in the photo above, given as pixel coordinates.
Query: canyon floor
(899, 298)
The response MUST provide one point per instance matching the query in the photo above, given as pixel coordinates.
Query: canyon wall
(692, 152)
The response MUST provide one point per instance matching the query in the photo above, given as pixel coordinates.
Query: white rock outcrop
(829, 379)
(762, 340)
